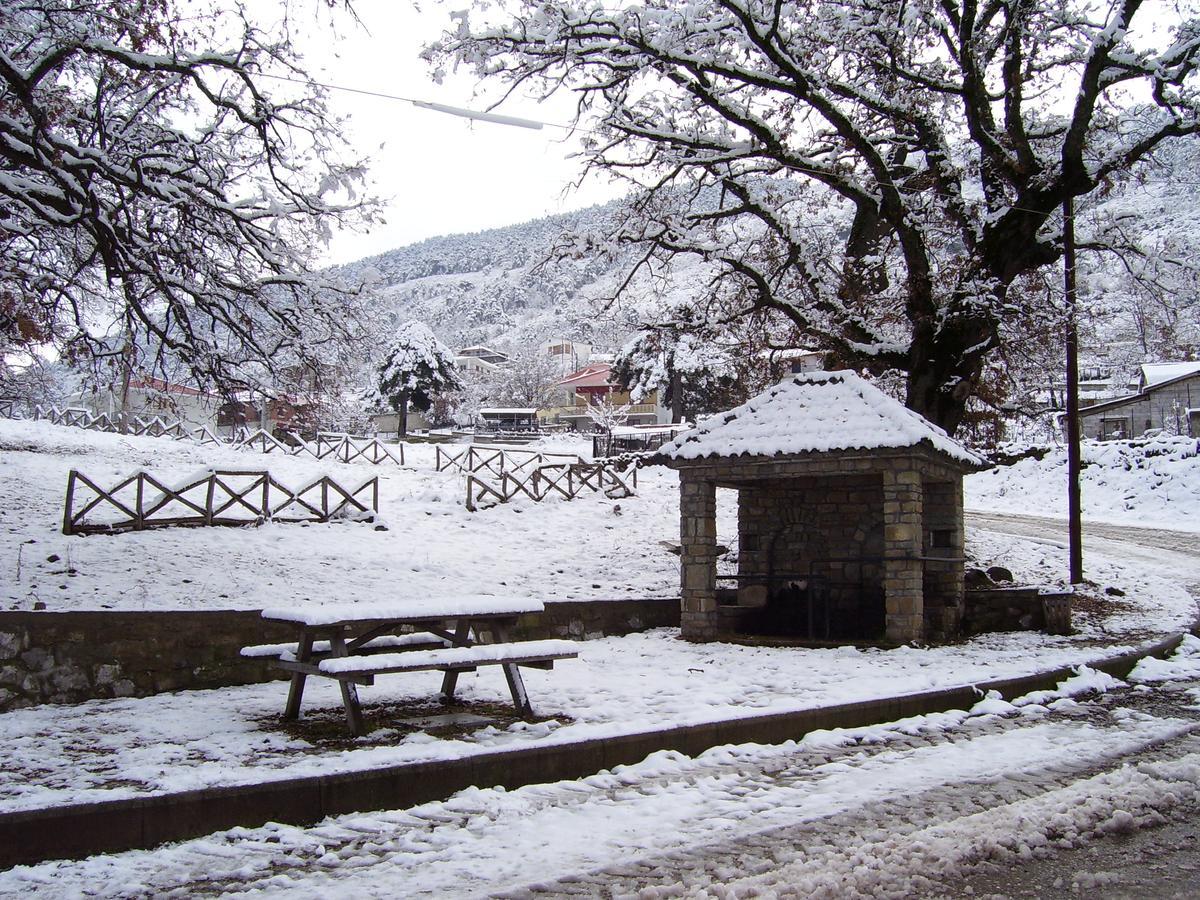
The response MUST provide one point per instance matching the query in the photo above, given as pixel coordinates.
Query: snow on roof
(158, 384)
(1156, 373)
(508, 412)
(591, 375)
(814, 412)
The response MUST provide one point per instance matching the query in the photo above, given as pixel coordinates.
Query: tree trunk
(676, 398)
(402, 416)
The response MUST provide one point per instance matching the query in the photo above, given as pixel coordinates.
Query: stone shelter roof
(814, 412)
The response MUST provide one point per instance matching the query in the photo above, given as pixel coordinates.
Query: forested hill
(499, 286)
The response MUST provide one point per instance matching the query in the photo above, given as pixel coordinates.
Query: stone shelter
(850, 517)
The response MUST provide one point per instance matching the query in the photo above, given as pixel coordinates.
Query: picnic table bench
(353, 643)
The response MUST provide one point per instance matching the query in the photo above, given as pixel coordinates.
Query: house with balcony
(479, 358)
(592, 386)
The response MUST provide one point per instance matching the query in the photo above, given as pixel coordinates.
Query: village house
(592, 386)
(153, 397)
(1167, 399)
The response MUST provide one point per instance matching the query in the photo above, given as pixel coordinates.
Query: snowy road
(1164, 551)
(1105, 535)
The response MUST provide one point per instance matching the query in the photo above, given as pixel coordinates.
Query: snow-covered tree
(605, 414)
(886, 174)
(682, 359)
(157, 192)
(416, 367)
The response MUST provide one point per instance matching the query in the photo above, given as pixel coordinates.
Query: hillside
(501, 287)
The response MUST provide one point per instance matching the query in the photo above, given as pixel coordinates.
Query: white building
(568, 356)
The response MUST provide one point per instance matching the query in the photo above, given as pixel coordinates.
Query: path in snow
(1167, 552)
(884, 811)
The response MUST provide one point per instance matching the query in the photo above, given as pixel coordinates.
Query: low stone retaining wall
(1016, 608)
(67, 657)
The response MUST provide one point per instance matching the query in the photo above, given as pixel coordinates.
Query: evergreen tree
(416, 368)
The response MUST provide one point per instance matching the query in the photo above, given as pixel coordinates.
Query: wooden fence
(342, 447)
(142, 501)
(567, 480)
(496, 461)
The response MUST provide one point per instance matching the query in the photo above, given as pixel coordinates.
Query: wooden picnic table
(353, 643)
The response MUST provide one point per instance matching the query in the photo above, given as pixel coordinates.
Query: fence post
(68, 525)
(470, 494)
(325, 498)
(210, 500)
(140, 518)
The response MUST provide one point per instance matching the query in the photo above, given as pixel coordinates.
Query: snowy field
(1154, 482)
(589, 548)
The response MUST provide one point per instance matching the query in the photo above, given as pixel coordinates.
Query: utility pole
(1074, 501)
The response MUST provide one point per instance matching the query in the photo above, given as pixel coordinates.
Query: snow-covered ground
(589, 548)
(897, 810)
(1153, 482)
(553, 551)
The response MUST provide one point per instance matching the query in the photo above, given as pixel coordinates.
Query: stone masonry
(898, 512)
(67, 657)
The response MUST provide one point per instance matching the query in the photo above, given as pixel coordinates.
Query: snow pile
(815, 412)
(1182, 665)
(1142, 482)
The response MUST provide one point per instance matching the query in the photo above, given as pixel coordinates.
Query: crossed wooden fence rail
(142, 501)
(567, 480)
(342, 447)
(496, 461)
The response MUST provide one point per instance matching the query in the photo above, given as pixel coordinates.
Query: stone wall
(1016, 609)
(913, 548)
(53, 657)
(828, 528)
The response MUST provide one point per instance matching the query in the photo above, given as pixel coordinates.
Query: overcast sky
(441, 174)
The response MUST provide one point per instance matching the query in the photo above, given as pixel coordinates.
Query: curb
(79, 830)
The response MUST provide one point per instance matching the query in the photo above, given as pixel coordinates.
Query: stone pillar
(943, 514)
(698, 559)
(902, 545)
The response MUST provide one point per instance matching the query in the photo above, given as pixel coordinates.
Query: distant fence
(496, 461)
(141, 502)
(637, 442)
(567, 480)
(341, 447)
(328, 445)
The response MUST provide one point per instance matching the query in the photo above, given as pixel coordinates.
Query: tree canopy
(157, 193)
(884, 175)
(416, 367)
